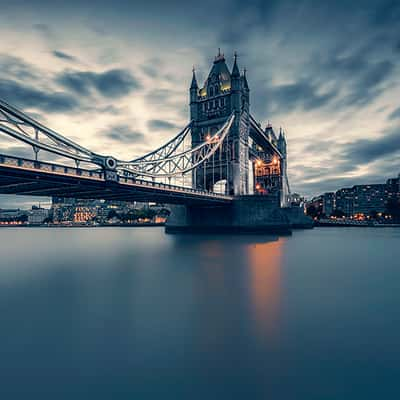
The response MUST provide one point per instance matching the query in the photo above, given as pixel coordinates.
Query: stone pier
(246, 214)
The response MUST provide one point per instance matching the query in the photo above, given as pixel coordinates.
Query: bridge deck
(36, 178)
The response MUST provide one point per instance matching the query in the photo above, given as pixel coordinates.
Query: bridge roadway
(36, 178)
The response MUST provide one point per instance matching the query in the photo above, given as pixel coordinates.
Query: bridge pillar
(246, 214)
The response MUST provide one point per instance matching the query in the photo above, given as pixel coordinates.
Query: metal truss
(167, 149)
(166, 161)
(176, 164)
(22, 127)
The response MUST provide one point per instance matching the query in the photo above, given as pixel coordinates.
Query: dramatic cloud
(395, 114)
(123, 134)
(297, 95)
(159, 125)
(113, 83)
(15, 67)
(64, 56)
(26, 97)
(368, 150)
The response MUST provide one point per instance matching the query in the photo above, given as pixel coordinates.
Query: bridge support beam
(246, 214)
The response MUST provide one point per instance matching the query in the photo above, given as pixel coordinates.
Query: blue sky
(114, 76)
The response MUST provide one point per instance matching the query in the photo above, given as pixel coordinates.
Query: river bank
(138, 225)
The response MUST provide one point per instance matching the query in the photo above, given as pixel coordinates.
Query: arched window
(216, 90)
(211, 92)
(222, 102)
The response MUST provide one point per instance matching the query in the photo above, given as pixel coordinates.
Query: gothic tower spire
(235, 69)
(194, 80)
(245, 84)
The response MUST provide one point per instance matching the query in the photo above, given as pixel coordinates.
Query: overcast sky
(114, 76)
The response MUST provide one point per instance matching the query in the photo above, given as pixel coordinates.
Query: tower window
(211, 92)
(216, 90)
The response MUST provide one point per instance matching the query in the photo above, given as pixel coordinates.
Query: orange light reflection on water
(265, 276)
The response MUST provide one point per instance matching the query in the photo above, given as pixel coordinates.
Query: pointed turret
(282, 142)
(235, 69)
(245, 84)
(236, 86)
(194, 92)
(194, 80)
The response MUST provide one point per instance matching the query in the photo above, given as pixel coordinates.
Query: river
(133, 313)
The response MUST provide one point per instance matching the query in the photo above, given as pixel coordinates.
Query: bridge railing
(59, 169)
(49, 167)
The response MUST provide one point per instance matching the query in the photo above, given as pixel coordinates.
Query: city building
(323, 205)
(328, 203)
(393, 188)
(78, 211)
(13, 216)
(37, 215)
(359, 201)
(344, 201)
(369, 199)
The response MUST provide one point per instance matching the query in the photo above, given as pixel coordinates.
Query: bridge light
(208, 137)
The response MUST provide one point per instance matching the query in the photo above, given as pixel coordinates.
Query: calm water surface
(121, 313)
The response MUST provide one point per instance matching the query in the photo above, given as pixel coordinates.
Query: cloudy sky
(114, 76)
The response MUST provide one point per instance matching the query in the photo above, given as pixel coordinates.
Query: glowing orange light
(258, 162)
(275, 160)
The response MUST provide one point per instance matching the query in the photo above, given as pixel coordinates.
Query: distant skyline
(114, 76)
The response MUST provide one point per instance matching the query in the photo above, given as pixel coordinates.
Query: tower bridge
(252, 160)
(223, 171)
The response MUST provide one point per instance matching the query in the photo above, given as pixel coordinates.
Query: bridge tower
(222, 94)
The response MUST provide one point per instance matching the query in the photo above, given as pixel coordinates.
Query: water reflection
(265, 274)
(90, 313)
(236, 290)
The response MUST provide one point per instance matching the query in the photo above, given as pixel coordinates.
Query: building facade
(359, 200)
(222, 94)
(226, 92)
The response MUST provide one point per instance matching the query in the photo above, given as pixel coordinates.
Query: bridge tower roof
(219, 74)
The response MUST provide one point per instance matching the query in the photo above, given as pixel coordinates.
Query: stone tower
(222, 94)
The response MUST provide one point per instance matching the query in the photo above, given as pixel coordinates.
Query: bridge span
(37, 178)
